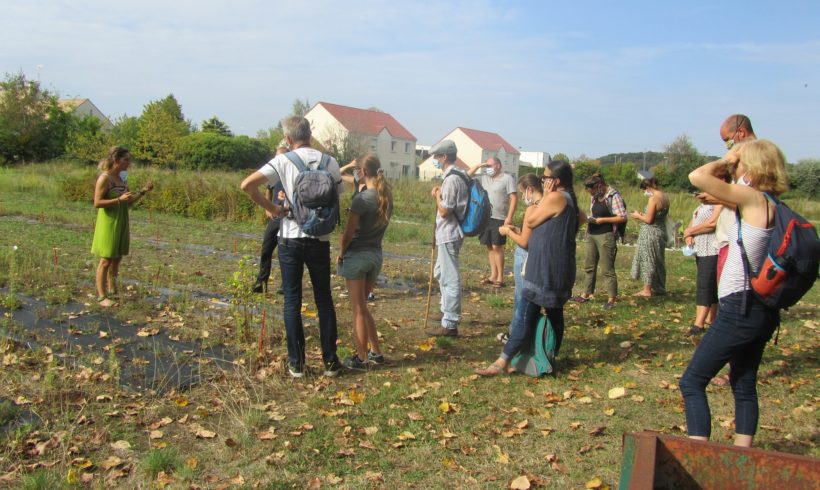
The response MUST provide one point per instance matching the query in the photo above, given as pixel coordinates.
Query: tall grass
(216, 194)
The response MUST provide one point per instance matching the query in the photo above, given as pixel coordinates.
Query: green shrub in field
(78, 184)
(210, 150)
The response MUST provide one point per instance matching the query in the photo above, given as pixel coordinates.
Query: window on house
(405, 170)
(407, 147)
(393, 146)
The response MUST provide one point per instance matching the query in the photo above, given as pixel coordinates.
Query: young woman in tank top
(738, 335)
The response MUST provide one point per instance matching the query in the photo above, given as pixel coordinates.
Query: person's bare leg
(101, 281)
(498, 258)
(743, 440)
(701, 312)
(372, 334)
(357, 290)
(113, 274)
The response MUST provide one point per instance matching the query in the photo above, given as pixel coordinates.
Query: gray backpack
(314, 203)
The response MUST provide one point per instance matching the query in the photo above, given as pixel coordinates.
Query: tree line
(33, 127)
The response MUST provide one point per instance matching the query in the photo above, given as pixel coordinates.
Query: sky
(584, 78)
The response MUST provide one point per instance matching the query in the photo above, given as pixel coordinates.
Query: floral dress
(649, 263)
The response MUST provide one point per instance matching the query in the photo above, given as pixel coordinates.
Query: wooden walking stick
(430, 279)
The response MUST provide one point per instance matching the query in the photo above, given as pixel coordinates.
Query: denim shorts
(361, 264)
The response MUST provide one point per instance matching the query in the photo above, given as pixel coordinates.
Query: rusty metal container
(655, 461)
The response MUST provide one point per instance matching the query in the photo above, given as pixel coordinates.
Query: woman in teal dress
(111, 232)
(649, 263)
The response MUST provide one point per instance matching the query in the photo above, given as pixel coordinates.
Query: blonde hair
(766, 166)
(373, 166)
(114, 154)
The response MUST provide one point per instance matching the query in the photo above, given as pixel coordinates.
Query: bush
(214, 151)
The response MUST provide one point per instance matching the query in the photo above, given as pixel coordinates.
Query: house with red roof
(475, 146)
(359, 131)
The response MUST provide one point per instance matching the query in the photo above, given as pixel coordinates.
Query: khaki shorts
(361, 264)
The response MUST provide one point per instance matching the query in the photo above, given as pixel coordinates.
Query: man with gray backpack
(312, 184)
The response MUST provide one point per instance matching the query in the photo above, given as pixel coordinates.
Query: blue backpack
(314, 203)
(477, 214)
(537, 356)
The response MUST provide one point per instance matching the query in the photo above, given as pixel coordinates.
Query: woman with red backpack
(743, 324)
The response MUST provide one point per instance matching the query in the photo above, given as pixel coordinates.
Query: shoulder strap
(464, 177)
(296, 160)
(323, 162)
(747, 267)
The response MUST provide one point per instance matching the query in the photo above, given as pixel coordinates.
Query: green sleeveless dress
(111, 233)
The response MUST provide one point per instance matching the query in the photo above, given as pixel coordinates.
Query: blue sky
(577, 77)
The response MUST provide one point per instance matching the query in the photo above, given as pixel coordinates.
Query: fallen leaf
(155, 434)
(594, 483)
(204, 434)
(520, 483)
(111, 462)
(406, 435)
(122, 445)
(501, 456)
(415, 416)
(147, 332)
(616, 393)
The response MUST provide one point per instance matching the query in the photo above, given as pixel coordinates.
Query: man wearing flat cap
(451, 203)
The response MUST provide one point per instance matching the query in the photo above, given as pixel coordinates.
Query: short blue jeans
(294, 255)
(449, 282)
(736, 337)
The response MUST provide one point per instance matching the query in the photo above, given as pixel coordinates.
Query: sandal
(498, 285)
(490, 371)
(721, 380)
(486, 281)
(581, 299)
(105, 302)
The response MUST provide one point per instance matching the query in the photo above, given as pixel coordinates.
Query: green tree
(681, 157)
(560, 156)
(126, 132)
(161, 125)
(215, 125)
(270, 137)
(300, 107)
(206, 150)
(583, 169)
(805, 177)
(620, 174)
(87, 141)
(32, 124)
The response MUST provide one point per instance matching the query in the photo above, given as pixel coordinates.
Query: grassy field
(422, 421)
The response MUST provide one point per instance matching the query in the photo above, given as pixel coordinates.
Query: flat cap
(444, 147)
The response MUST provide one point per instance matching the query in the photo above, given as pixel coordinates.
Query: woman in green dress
(649, 263)
(111, 233)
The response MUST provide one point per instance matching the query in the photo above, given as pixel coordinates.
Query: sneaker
(295, 371)
(353, 362)
(694, 331)
(371, 297)
(608, 305)
(442, 332)
(332, 368)
(259, 287)
(580, 299)
(503, 337)
(377, 359)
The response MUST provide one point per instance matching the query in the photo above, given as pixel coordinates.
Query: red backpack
(790, 267)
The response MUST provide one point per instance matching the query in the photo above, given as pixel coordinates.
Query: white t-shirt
(282, 169)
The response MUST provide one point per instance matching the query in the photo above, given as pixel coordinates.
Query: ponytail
(384, 194)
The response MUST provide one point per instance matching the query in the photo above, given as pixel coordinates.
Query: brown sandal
(498, 285)
(486, 281)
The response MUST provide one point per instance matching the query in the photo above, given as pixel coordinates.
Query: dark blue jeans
(524, 323)
(268, 246)
(736, 337)
(294, 255)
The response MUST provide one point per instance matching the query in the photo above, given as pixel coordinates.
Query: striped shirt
(755, 241)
